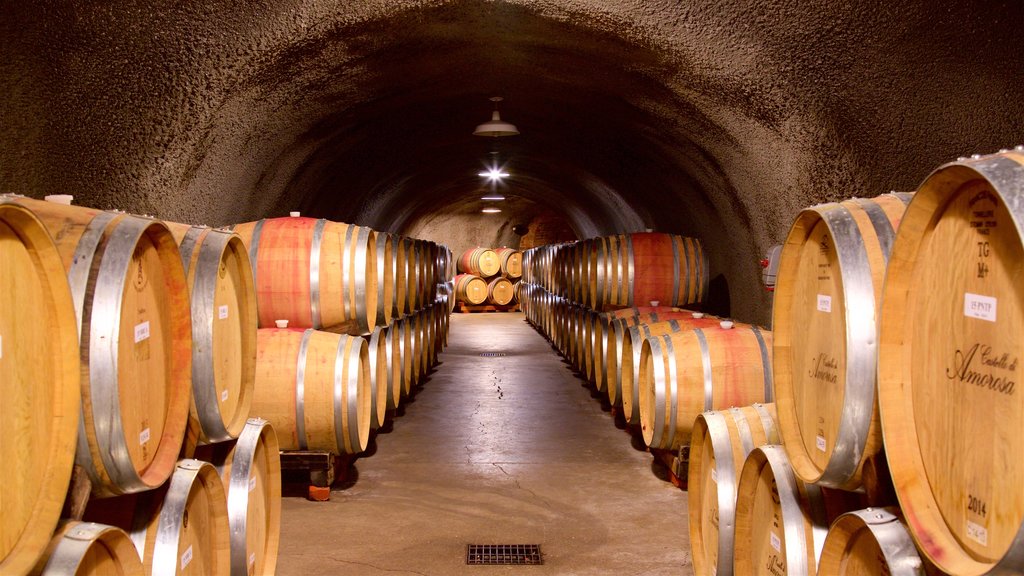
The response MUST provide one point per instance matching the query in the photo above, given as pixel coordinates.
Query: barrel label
(819, 443)
(824, 303)
(977, 532)
(252, 483)
(714, 475)
(980, 307)
(825, 368)
(186, 557)
(144, 436)
(141, 331)
(978, 366)
(252, 559)
(222, 312)
(224, 396)
(775, 541)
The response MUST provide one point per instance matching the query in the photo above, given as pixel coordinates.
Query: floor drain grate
(501, 554)
(491, 354)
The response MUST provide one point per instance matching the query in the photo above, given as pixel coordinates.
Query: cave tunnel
(719, 120)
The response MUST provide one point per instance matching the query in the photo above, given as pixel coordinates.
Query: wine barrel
(224, 325)
(685, 373)
(666, 268)
(720, 444)
(499, 291)
(629, 342)
(185, 525)
(781, 522)
(250, 469)
(314, 273)
(39, 384)
(869, 542)
(829, 281)
(471, 289)
(399, 272)
(510, 262)
(385, 278)
(314, 387)
(88, 549)
(132, 306)
(377, 348)
(482, 262)
(949, 362)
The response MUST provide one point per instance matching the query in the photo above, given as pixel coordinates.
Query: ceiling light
(496, 127)
(491, 210)
(493, 174)
(493, 197)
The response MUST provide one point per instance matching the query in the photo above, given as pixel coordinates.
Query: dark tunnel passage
(719, 120)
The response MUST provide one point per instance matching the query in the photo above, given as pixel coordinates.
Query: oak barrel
(950, 358)
(627, 342)
(720, 444)
(385, 283)
(470, 289)
(685, 373)
(482, 262)
(499, 291)
(39, 386)
(89, 549)
(870, 542)
(132, 305)
(377, 348)
(829, 284)
(653, 266)
(250, 469)
(510, 262)
(313, 272)
(314, 388)
(224, 325)
(781, 522)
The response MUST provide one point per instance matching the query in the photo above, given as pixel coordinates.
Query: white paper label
(977, 532)
(224, 396)
(141, 331)
(980, 307)
(144, 436)
(222, 312)
(776, 543)
(819, 441)
(824, 303)
(714, 475)
(252, 483)
(186, 557)
(252, 559)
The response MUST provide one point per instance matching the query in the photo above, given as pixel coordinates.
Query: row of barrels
(126, 342)
(622, 271)
(895, 346)
(490, 262)
(474, 290)
(340, 277)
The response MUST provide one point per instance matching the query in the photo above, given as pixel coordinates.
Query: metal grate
(501, 554)
(491, 354)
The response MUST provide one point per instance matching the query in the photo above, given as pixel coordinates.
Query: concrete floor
(503, 450)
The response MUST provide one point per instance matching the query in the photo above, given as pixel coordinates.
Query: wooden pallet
(463, 308)
(675, 463)
(325, 468)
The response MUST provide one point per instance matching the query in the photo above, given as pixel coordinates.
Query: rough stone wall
(715, 119)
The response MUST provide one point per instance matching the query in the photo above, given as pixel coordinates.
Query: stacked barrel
(131, 353)
(894, 446)
(489, 277)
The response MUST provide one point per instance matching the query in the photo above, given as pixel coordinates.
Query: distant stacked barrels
(132, 345)
(489, 276)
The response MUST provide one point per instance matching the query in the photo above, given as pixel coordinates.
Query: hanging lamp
(496, 127)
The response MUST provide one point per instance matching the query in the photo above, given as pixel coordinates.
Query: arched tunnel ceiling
(714, 119)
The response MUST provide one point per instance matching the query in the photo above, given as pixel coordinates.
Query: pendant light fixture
(496, 127)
